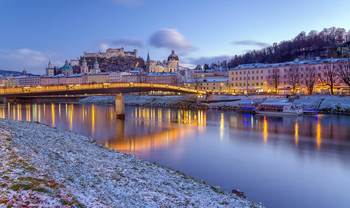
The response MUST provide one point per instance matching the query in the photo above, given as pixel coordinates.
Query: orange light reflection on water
(265, 130)
(296, 133)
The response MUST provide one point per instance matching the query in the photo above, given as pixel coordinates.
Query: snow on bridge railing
(20, 90)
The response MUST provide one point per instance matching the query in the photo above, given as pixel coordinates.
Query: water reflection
(154, 123)
(266, 157)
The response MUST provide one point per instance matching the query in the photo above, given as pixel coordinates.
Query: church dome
(173, 56)
(66, 66)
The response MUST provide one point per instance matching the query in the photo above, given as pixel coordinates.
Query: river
(279, 161)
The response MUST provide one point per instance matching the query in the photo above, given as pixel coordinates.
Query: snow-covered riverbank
(46, 167)
(324, 103)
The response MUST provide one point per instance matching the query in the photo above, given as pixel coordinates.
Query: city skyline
(38, 31)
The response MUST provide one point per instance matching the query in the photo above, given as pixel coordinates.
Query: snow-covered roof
(76, 75)
(162, 74)
(207, 80)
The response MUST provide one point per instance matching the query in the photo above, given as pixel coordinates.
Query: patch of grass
(17, 186)
(217, 190)
(40, 189)
(8, 139)
(224, 203)
(65, 202)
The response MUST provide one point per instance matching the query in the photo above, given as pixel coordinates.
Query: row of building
(258, 78)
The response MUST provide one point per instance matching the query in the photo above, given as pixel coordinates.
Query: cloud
(129, 3)
(250, 42)
(206, 60)
(33, 61)
(122, 42)
(170, 39)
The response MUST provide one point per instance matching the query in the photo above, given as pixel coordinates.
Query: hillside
(329, 43)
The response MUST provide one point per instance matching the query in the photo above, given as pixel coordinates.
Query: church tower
(84, 67)
(173, 62)
(50, 70)
(96, 68)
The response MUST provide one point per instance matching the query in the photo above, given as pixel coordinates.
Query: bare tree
(328, 76)
(310, 77)
(293, 78)
(344, 71)
(274, 79)
(196, 83)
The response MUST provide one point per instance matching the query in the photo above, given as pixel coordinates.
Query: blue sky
(33, 31)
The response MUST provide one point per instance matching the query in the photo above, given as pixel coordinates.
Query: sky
(34, 31)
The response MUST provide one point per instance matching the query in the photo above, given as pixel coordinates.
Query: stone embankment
(42, 166)
(324, 103)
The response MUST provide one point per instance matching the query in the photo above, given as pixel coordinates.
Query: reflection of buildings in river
(152, 141)
(307, 126)
(180, 116)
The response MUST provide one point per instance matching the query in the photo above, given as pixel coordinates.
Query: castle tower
(84, 67)
(50, 71)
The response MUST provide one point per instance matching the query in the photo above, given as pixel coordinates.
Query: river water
(279, 161)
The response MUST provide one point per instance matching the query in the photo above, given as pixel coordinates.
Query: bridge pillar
(119, 106)
(200, 98)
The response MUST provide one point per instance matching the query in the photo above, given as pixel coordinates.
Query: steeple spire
(148, 59)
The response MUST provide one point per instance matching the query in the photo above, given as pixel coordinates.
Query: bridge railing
(20, 90)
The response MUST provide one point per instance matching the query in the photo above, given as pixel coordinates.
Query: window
(243, 78)
(262, 77)
(236, 78)
(257, 71)
(252, 72)
(261, 71)
(252, 78)
(240, 72)
(257, 77)
(240, 78)
(269, 71)
(257, 84)
(244, 72)
(248, 72)
(319, 68)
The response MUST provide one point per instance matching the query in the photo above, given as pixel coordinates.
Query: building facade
(261, 78)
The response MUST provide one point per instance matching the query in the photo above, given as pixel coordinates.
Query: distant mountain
(13, 73)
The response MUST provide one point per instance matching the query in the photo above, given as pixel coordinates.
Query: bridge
(90, 89)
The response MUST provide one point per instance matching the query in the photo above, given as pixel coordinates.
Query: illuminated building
(255, 77)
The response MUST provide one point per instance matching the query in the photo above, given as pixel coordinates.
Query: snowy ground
(47, 167)
(328, 103)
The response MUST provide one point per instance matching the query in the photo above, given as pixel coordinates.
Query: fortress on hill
(110, 53)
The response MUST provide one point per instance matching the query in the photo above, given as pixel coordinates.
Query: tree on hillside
(310, 77)
(274, 79)
(293, 78)
(206, 66)
(198, 67)
(328, 76)
(344, 71)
